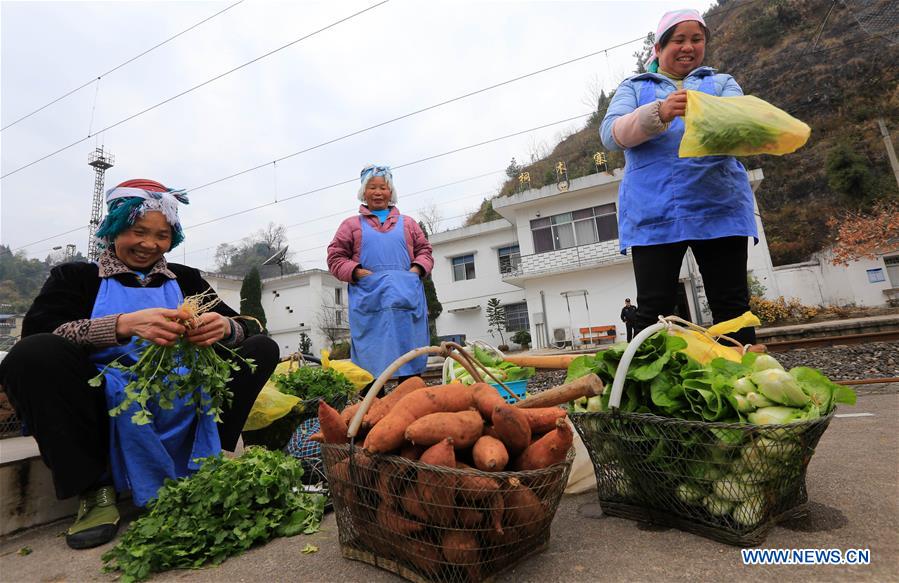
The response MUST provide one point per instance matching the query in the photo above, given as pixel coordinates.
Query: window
(876, 275)
(517, 317)
(338, 296)
(509, 258)
(581, 227)
(892, 264)
(463, 267)
(338, 317)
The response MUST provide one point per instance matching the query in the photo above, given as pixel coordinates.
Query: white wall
(292, 304)
(607, 288)
(483, 241)
(820, 282)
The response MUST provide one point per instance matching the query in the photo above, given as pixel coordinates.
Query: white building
(553, 261)
(313, 302)
(867, 282)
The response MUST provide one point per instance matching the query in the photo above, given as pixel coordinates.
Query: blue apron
(665, 199)
(143, 456)
(388, 311)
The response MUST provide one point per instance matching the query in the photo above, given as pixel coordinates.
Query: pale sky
(392, 60)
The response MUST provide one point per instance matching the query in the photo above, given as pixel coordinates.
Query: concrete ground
(853, 484)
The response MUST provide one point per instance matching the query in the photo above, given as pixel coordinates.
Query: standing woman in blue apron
(87, 315)
(667, 203)
(383, 255)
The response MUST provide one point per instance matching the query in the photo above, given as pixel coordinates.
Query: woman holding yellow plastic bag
(667, 203)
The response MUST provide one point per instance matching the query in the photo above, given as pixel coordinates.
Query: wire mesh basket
(726, 481)
(427, 522)
(731, 482)
(430, 523)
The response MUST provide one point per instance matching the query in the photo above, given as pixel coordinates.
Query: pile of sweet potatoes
(437, 502)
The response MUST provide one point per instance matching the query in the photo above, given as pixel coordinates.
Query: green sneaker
(97, 521)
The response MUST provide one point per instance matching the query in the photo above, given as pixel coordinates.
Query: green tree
(849, 174)
(22, 279)
(305, 343)
(251, 297)
(513, 169)
(253, 251)
(643, 54)
(496, 318)
(435, 308)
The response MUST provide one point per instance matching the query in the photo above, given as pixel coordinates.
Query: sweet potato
(512, 428)
(388, 434)
(411, 504)
(348, 412)
(384, 405)
(496, 509)
(469, 517)
(332, 426)
(411, 451)
(475, 488)
(548, 450)
(463, 427)
(460, 547)
(396, 523)
(486, 398)
(440, 454)
(490, 455)
(543, 419)
(425, 556)
(523, 509)
(437, 490)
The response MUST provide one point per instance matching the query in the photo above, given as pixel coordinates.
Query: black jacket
(629, 314)
(71, 290)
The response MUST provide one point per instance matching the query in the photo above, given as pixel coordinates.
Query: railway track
(864, 338)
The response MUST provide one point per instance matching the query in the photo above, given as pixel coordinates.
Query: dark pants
(46, 378)
(631, 330)
(722, 263)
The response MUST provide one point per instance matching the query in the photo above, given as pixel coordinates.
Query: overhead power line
(194, 88)
(416, 112)
(341, 183)
(119, 66)
(419, 161)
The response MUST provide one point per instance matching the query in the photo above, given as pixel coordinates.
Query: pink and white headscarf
(669, 21)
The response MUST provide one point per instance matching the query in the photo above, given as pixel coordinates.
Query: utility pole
(101, 162)
(891, 153)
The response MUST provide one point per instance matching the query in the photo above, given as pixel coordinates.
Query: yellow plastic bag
(354, 373)
(738, 126)
(270, 405)
(703, 348)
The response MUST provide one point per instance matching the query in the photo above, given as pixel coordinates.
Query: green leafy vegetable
(225, 508)
(308, 382)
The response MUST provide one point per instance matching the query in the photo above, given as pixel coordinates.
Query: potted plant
(522, 337)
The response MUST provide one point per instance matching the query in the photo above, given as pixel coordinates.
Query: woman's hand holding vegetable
(158, 325)
(209, 328)
(673, 106)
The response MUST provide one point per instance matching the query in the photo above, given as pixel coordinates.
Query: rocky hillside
(831, 64)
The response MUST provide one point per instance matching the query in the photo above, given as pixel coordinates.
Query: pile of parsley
(312, 382)
(225, 508)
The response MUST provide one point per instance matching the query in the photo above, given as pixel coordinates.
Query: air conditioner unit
(561, 336)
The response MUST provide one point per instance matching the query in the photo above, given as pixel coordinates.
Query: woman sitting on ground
(89, 314)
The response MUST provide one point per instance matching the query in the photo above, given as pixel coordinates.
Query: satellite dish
(277, 259)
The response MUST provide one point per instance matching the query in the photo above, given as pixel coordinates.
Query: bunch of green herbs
(163, 374)
(734, 136)
(228, 506)
(312, 382)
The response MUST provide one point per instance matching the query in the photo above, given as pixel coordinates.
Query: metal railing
(563, 260)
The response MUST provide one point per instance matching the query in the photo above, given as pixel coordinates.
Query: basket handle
(446, 349)
(586, 386)
(664, 323)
